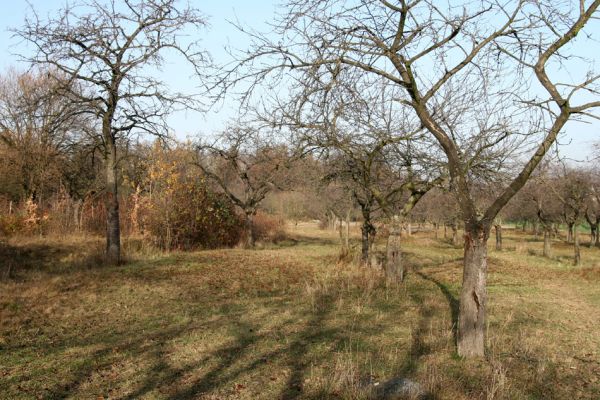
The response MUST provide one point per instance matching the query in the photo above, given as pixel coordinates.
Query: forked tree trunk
(113, 232)
(394, 269)
(547, 242)
(577, 255)
(471, 318)
(498, 229)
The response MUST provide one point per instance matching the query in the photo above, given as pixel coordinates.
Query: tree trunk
(113, 232)
(569, 232)
(250, 239)
(347, 238)
(365, 242)
(593, 229)
(409, 229)
(498, 229)
(577, 258)
(445, 231)
(547, 242)
(471, 319)
(76, 215)
(536, 229)
(394, 270)
(435, 230)
(343, 240)
(454, 234)
(597, 241)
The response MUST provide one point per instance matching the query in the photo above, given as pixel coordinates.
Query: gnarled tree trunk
(473, 295)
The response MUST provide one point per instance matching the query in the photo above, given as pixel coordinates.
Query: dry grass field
(289, 321)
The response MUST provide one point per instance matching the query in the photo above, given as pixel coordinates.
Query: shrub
(268, 228)
(181, 212)
(11, 224)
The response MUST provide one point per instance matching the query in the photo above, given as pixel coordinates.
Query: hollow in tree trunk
(577, 255)
(471, 317)
(113, 233)
(498, 229)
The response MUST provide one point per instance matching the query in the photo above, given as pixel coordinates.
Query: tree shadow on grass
(17, 261)
(453, 303)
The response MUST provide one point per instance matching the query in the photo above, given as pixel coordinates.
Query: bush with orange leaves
(179, 211)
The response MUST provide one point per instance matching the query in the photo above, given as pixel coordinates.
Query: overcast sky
(578, 138)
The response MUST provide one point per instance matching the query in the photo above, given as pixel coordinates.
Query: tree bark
(347, 233)
(367, 230)
(471, 319)
(250, 239)
(394, 269)
(113, 232)
(547, 242)
(498, 229)
(569, 232)
(343, 240)
(576, 247)
(454, 234)
(593, 229)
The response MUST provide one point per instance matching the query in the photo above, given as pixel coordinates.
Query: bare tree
(39, 128)
(107, 50)
(572, 188)
(450, 61)
(246, 163)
